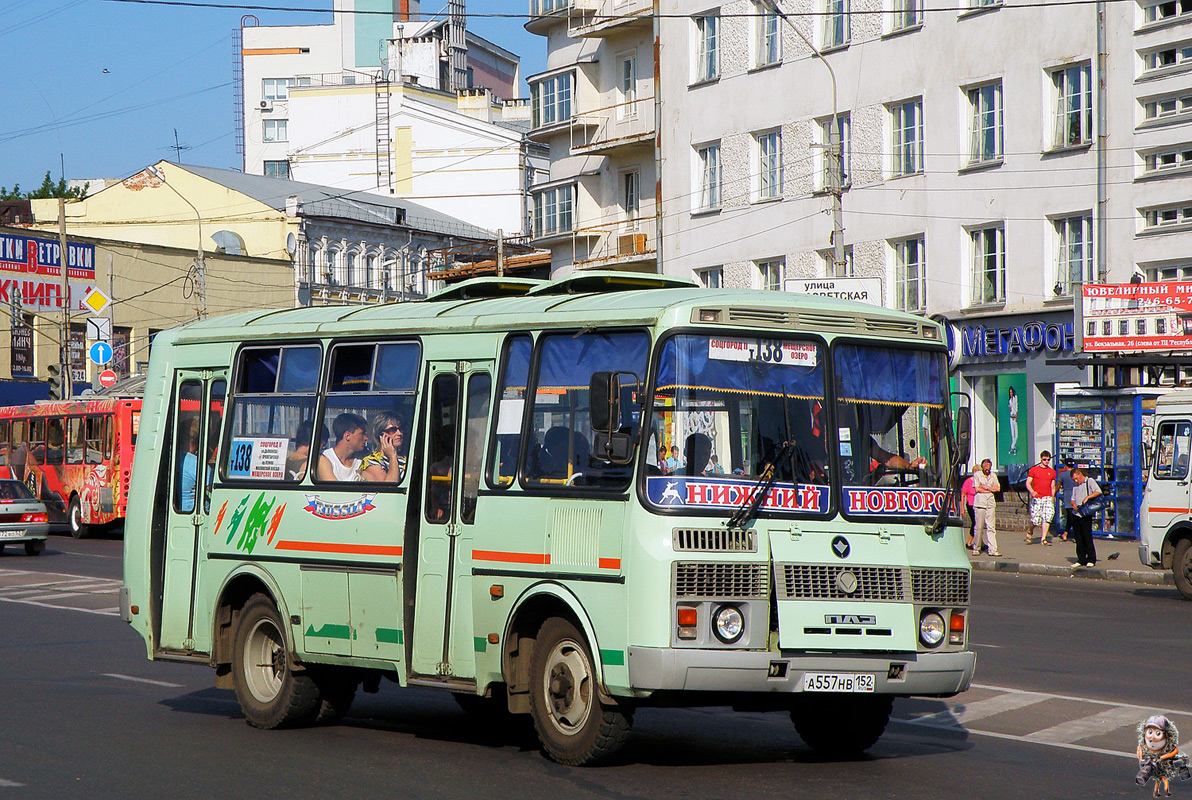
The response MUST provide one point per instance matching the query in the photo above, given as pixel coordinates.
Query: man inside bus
(188, 467)
(339, 462)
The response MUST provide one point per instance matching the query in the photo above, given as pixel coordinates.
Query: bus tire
(74, 514)
(841, 724)
(337, 690)
(1181, 567)
(574, 727)
(271, 694)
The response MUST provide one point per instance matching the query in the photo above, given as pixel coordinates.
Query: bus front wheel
(845, 724)
(271, 694)
(575, 728)
(78, 528)
(1181, 568)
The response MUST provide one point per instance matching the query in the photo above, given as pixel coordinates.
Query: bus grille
(702, 579)
(819, 582)
(945, 587)
(714, 540)
(761, 316)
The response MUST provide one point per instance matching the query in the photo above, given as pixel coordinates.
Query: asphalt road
(1066, 670)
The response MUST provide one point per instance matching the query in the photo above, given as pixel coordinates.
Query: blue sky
(105, 84)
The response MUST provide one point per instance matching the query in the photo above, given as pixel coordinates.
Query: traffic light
(55, 381)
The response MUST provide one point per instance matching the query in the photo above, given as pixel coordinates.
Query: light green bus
(569, 499)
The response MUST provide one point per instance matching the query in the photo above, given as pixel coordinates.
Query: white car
(23, 517)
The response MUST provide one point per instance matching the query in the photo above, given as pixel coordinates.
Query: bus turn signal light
(688, 618)
(956, 628)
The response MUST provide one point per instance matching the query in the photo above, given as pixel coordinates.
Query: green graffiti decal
(254, 525)
(237, 515)
(330, 631)
(613, 658)
(481, 643)
(389, 636)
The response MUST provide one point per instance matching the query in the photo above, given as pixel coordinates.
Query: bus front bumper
(922, 674)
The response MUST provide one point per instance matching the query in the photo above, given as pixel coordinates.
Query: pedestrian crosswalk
(60, 590)
(1054, 720)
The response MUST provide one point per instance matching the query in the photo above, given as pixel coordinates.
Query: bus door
(197, 413)
(1167, 497)
(456, 423)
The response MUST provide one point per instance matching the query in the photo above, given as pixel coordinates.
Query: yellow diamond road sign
(96, 300)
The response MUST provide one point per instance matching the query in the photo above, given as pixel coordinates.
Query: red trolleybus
(75, 455)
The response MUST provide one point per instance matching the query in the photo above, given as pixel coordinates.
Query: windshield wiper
(749, 507)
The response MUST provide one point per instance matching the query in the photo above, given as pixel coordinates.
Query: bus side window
(55, 441)
(96, 444)
(275, 391)
(4, 442)
(510, 411)
(77, 444)
(444, 400)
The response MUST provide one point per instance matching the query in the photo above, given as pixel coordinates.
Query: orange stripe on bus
(270, 51)
(338, 547)
(610, 563)
(1157, 510)
(511, 558)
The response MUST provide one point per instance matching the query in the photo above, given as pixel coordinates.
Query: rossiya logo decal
(336, 511)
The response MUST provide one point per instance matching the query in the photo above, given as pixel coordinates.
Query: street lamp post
(834, 150)
(200, 263)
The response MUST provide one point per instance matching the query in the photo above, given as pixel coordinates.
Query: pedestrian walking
(986, 485)
(1040, 484)
(1081, 518)
(1064, 487)
(969, 492)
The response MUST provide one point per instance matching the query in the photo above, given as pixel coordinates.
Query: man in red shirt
(1040, 483)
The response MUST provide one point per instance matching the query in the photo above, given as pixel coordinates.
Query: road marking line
(6, 784)
(956, 716)
(1083, 748)
(50, 596)
(1075, 729)
(1108, 703)
(142, 680)
(60, 608)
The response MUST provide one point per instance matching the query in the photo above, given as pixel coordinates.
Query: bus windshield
(723, 409)
(889, 416)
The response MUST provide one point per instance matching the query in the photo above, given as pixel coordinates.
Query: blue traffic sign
(101, 353)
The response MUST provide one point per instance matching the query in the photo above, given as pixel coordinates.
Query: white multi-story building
(381, 102)
(993, 160)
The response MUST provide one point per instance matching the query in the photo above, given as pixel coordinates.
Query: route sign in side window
(272, 413)
(1174, 444)
(370, 404)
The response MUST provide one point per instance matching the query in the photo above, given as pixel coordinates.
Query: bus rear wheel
(1181, 568)
(271, 694)
(78, 528)
(842, 724)
(575, 728)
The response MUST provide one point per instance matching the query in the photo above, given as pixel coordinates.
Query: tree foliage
(47, 190)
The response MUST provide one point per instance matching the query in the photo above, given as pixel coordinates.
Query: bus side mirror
(609, 442)
(964, 434)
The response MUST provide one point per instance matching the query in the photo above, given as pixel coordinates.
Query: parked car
(23, 517)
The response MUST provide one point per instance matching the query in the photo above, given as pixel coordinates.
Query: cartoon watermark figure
(1159, 757)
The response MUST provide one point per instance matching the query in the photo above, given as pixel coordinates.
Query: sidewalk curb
(1153, 578)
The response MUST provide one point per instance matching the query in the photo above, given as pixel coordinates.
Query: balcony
(545, 14)
(594, 19)
(616, 128)
(622, 245)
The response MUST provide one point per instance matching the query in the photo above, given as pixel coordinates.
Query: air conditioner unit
(266, 105)
(631, 244)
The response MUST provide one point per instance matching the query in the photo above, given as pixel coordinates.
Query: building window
(907, 14)
(275, 130)
(910, 274)
(1074, 106)
(769, 36)
(769, 165)
(1179, 271)
(627, 107)
(279, 88)
(1140, 327)
(631, 184)
(1164, 216)
(989, 265)
(1161, 326)
(333, 268)
(844, 136)
(842, 270)
(553, 211)
(1167, 57)
(979, 4)
(907, 123)
(541, 7)
(769, 273)
(312, 266)
(707, 51)
(1167, 107)
(1163, 160)
(710, 176)
(1165, 10)
(1074, 258)
(986, 104)
(277, 169)
(837, 25)
(711, 278)
(550, 100)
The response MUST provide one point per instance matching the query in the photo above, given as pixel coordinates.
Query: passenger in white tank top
(339, 462)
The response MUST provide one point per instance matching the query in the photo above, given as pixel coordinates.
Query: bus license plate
(838, 682)
(11, 534)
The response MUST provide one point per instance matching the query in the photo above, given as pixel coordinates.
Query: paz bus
(612, 491)
(74, 455)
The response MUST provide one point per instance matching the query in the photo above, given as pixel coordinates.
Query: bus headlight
(728, 624)
(931, 628)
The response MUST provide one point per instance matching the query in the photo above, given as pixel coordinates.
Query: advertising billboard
(1137, 317)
